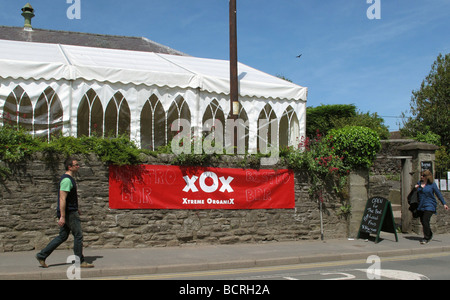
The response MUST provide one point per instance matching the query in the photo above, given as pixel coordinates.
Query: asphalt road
(433, 266)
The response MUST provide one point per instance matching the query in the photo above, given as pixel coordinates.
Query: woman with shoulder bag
(426, 189)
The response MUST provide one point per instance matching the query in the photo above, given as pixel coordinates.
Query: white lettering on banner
(143, 197)
(161, 177)
(174, 187)
(213, 201)
(209, 188)
(146, 191)
(187, 201)
(266, 178)
(190, 183)
(258, 194)
(148, 177)
(193, 201)
(226, 184)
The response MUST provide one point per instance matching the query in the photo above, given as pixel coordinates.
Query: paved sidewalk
(126, 262)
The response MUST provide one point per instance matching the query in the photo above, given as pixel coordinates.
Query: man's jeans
(73, 225)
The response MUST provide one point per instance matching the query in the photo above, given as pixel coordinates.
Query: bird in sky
(298, 56)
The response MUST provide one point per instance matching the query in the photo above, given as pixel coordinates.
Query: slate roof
(85, 39)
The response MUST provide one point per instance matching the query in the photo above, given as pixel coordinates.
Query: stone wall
(386, 163)
(28, 222)
(441, 222)
(385, 179)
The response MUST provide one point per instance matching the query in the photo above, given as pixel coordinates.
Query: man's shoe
(41, 262)
(86, 265)
(424, 241)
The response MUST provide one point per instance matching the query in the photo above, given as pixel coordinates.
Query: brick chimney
(28, 14)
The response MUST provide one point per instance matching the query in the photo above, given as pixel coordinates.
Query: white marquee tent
(73, 90)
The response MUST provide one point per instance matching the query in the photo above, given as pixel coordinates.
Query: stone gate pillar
(422, 157)
(358, 196)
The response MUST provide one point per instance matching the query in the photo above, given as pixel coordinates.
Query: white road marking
(399, 275)
(346, 276)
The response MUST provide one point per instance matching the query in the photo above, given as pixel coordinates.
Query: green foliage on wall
(356, 144)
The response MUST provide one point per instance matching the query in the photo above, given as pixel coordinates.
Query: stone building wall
(28, 206)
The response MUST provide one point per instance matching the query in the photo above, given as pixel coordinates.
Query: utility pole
(234, 95)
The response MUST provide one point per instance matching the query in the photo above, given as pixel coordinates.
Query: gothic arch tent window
(48, 115)
(117, 116)
(90, 115)
(289, 128)
(243, 131)
(153, 124)
(17, 110)
(267, 128)
(85, 91)
(214, 119)
(178, 111)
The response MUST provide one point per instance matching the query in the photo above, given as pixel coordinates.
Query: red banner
(173, 187)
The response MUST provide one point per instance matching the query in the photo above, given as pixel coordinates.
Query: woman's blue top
(426, 197)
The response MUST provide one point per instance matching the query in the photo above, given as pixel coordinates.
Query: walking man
(68, 216)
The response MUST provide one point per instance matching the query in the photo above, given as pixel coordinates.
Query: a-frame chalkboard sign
(378, 216)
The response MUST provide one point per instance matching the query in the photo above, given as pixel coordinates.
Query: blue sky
(347, 58)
